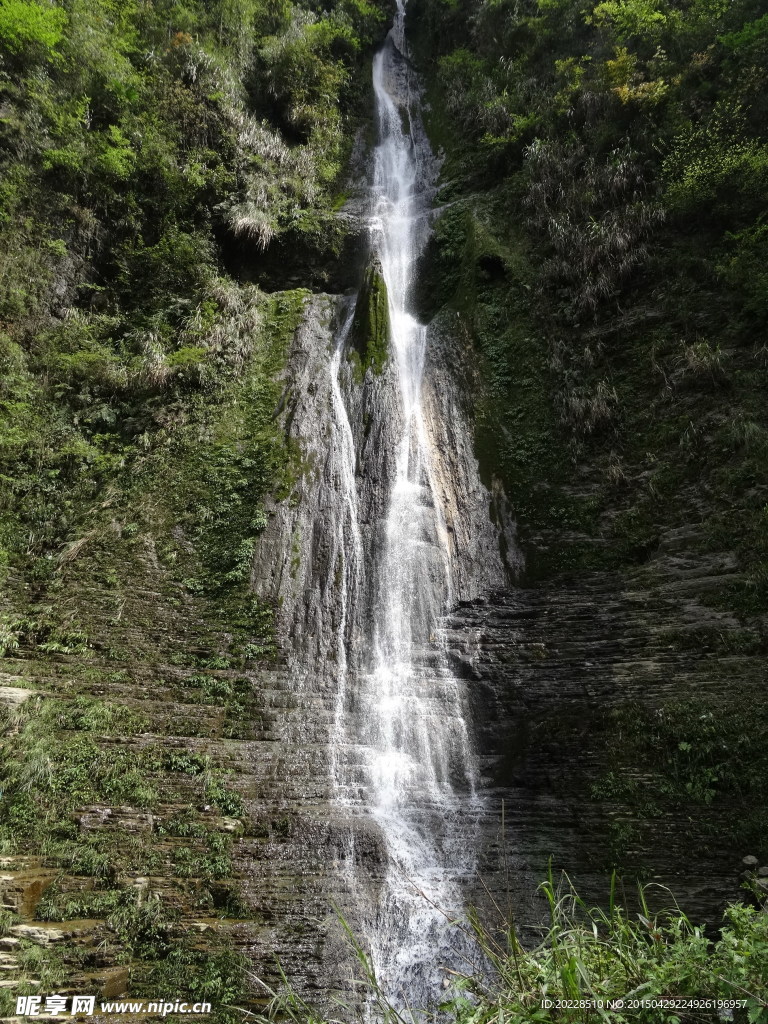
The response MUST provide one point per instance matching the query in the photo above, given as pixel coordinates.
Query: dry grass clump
(247, 220)
(585, 409)
(232, 336)
(699, 360)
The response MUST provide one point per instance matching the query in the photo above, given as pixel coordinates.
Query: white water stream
(414, 773)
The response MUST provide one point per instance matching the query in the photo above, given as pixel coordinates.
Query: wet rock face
(298, 554)
(552, 673)
(302, 555)
(480, 524)
(300, 558)
(317, 561)
(548, 670)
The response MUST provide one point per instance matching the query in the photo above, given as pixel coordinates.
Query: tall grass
(619, 961)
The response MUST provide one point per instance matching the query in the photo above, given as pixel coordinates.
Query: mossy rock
(369, 337)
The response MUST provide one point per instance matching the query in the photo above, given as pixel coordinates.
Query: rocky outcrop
(558, 674)
(301, 553)
(484, 548)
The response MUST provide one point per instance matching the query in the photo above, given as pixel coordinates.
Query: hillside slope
(168, 170)
(602, 246)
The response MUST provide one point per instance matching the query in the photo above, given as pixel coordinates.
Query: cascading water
(398, 705)
(389, 525)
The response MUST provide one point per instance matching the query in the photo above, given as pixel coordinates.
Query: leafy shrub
(717, 165)
(30, 29)
(218, 977)
(227, 800)
(638, 19)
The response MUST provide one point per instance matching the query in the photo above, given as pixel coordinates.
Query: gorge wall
(171, 526)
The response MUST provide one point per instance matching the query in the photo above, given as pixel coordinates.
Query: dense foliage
(604, 123)
(146, 152)
(152, 156)
(603, 242)
(607, 167)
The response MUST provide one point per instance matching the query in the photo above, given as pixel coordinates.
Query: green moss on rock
(370, 327)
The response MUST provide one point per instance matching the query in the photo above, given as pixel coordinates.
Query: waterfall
(388, 527)
(399, 705)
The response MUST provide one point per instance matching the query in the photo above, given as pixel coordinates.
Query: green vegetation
(56, 771)
(156, 163)
(696, 761)
(603, 245)
(52, 764)
(605, 957)
(146, 154)
(370, 326)
(145, 934)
